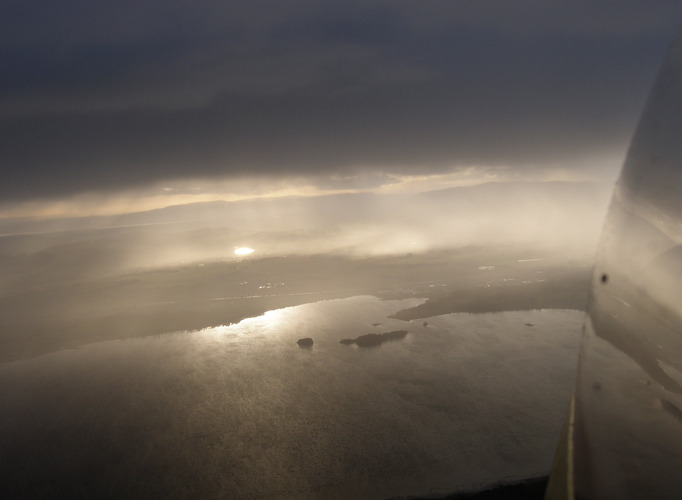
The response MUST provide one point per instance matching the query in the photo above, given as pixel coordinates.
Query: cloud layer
(111, 97)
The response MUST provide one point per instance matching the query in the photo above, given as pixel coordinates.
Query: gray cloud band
(93, 102)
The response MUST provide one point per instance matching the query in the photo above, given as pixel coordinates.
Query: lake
(243, 412)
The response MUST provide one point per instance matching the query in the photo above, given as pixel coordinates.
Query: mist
(169, 338)
(314, 249)
(540, 214)
(173, 268)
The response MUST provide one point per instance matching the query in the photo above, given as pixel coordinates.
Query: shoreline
(531, 488)
(191, 298)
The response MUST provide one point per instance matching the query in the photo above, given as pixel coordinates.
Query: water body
(243, 412)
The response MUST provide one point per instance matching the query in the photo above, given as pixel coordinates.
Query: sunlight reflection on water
(243, 251)
(241, 411)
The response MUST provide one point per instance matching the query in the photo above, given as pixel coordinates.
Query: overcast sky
(109, 96)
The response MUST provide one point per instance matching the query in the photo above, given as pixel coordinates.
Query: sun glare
(243, 251)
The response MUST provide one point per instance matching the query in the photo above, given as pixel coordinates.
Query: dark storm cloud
(112, 96)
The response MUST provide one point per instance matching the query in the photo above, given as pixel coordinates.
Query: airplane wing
(624, 435)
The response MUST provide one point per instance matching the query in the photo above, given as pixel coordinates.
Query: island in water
(375, 339)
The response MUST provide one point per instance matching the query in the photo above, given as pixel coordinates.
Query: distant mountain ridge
(333, 208)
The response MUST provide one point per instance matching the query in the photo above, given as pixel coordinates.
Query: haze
(190, 190)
